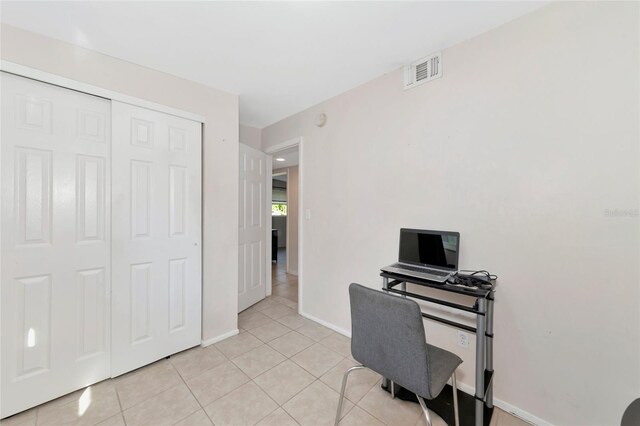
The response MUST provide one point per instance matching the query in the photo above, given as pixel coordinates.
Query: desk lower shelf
(443, 405)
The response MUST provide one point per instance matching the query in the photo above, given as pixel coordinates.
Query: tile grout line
(277, 322)
(191, 392)
(268, 396)
(318, 379)
(286, 358)
(376, 417)
(314, 342)
(322, 373)
(367, 411)
(145, 373)
(279, 407)
(298, 393)
(115, 388)
(250, 380)
(289, 358)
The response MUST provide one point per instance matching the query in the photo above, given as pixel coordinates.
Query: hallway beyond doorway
(283, 284)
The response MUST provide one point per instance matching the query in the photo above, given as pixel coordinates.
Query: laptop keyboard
(425, 271)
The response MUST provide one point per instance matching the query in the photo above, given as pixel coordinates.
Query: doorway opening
(284, 223)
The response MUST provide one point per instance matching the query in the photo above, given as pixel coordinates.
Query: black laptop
(431, 255)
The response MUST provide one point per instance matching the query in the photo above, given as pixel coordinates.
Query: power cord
(478, 279)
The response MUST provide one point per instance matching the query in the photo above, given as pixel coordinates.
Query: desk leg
(385, 285)
(480, 355)
(490, 348)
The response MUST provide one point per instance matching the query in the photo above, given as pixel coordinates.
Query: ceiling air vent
(423, 70)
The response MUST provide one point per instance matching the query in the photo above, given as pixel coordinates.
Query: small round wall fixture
(321, 120)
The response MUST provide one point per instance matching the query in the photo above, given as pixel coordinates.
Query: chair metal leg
(455, 399)
(393, 389)
(344, 386)
(425, 410)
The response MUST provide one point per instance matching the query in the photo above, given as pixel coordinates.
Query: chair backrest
(631, 416)
(387, 336)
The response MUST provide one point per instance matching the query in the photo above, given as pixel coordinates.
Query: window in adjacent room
(279, 198)
(278, 209)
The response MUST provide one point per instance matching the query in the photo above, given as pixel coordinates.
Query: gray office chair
(631, 416)
(387, 336)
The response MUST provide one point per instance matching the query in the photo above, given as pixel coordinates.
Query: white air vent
(426, 69)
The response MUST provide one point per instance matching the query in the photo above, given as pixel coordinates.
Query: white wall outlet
(463, 339)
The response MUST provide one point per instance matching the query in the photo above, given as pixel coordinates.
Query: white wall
(531, 134)
(220, 150)
(251, 136)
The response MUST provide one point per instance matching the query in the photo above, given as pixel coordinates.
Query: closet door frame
(45, 77)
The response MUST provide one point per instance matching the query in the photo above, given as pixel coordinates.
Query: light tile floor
(283, 284)
(280, 370)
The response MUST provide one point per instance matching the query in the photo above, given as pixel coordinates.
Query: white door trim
(284, 145)
(299, 142)
(287, 243)
(45, 77)
(269, 225)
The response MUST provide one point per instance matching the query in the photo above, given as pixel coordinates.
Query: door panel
(55, 279)
(156, 300)
(92, 303)
(91, 198)
(34, 311)
(252, 236)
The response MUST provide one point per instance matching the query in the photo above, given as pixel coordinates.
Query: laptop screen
(438, 249)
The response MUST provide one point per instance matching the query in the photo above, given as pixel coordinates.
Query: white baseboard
(509, 408)
(216, 339)
(327, 324)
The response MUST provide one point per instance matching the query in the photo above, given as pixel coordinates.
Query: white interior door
(156, 253)
(55, 242)
(252, 271)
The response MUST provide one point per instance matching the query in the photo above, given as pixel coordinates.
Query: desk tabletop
(459, 289)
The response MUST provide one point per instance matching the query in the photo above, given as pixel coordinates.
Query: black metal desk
(474, 410)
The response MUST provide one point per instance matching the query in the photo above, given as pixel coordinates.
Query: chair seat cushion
(442, 364)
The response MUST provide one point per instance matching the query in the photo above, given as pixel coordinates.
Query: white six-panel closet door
(156, 253)
(55, 242)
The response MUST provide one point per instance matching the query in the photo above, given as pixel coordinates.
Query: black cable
(482, 271)
(470, 278)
